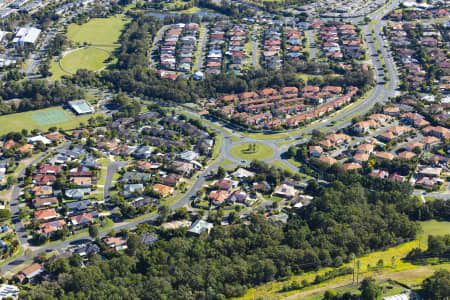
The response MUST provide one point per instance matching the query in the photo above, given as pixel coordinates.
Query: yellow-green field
(98, 31)
(92, 59)
(19, 121)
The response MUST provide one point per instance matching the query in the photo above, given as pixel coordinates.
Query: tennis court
(49, 117)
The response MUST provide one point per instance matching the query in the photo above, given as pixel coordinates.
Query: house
(25, 148)
(77, 193)
(383, 155)
(413, 145)
(116, 243)
(130, 189)
(41, 179)
(81, 181)
(52, 226)
(169, 179)
(285, 191)
(379, 174)
(406, 155)
(315, 151)
(163, 190)
(87, 250)
(50, 169)
(9, 144)
(78, 206)
(360, 157)
(83, 219)
(365, 148)
(328, 160)
(395, 177)
(224, 184)
(189, 155)
(391, 111)
(217, 197)
(29, 273)
(45, 214)
(41, 202)
(42, 191)
(199, 227)
(242, 173)
(55, 136)
(430, 172)
(352, 166)
(183, 167)
(143, 152)
(148, 238)
(426, 182)
(237, 197)
(430, 141)
(39, 138)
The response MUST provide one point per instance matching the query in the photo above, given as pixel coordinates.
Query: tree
(93, 231)
(164, 212)
(436, 287)
(369, 289)
(10, 181)
(5, 215)
(221, 172)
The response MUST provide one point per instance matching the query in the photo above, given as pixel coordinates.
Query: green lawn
(98, 31)
(434, 227)
(16, 122)
(92, 59)
(56, 71)
(225, 162)
(242, 151)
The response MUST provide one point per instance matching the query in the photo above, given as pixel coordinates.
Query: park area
(41, 119)
(103, 34)
(92, 59)
(100, 32)
(251, 151)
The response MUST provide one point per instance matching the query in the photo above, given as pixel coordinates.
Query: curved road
(380, 93)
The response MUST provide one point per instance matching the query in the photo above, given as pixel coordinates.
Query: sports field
(41, 119)
(98, 31)
(92, 59)
(49, 117)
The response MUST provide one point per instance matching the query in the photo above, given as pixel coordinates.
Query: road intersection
(380, 94)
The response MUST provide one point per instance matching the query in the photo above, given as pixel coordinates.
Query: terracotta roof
(327, 159)
(384, 155)
(45, 214)
(406, 155)
(352, 166)
(162, 189)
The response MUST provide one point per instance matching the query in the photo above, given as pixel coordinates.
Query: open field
(434, 227)
(92, 59)
(243, 151)
(98, 31)
(16, 122)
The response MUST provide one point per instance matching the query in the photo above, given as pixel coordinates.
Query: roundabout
(251, 151)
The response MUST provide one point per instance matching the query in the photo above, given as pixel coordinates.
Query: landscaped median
(251, 151)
